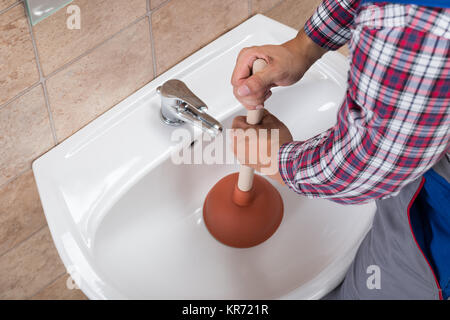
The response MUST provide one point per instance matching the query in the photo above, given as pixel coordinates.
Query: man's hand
(286, 65)
(258, 148)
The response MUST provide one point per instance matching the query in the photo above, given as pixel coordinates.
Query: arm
(327, 29)
(286, 65)
(393, 125)
(329, 26)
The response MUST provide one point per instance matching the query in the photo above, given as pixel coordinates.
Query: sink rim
(64, 230)
(317, 286)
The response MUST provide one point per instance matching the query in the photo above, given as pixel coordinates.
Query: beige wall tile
(6, 3)
(100, 19)
(58, 290)
(30, 267)
(156, 3)
(182, 27)
(20, 211)
(24, 133)
(98, 81)
(18, 69)
(261, 6)
(294, 13)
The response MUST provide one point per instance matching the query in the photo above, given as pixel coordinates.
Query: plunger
(243, 210)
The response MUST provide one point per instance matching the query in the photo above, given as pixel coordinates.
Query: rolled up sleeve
(329, 26)
(394, 123)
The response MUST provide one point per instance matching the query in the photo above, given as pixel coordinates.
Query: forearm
(327, 29)
(365, 157)
(394, 122)
(304, 49)
(329, 26)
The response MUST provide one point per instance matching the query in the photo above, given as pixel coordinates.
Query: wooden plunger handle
(245, 181)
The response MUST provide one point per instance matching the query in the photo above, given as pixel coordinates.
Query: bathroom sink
(127, 221)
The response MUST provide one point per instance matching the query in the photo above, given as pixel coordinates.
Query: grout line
(45, 78)
(10, 7)
(20, 94)
(93, 48)
(274, 6)
(250, 7)
(34, 85)
(50, 114)
(42, 79)
(10, 180)
(24, 240)
(152, 39)
(46, 285)
(152, 44)
(160, 6)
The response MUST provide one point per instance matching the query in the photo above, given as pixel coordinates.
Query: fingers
(255, 90)
(254, 101)
(253, 147)
(251, 90)
(240, 122)
(243, 67)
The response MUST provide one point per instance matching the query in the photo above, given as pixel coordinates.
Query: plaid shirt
(394, 122)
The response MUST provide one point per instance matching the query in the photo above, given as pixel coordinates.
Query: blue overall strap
(430, 220)
(425, 3)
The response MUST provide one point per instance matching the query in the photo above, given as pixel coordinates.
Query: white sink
(127, 222)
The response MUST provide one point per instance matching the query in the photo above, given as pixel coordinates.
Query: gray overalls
(389, 264)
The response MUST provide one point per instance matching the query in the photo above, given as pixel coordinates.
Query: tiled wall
(53, 81)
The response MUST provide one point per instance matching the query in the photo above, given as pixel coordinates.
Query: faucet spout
(180, 105)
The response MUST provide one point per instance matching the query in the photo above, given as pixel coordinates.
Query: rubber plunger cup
(242, 219)
(243, 210)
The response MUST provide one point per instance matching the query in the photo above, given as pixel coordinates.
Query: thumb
(257, 84)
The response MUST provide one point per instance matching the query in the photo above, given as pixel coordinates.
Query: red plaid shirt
(394, 122)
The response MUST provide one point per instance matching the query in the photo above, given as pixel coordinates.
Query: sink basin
(127, 221)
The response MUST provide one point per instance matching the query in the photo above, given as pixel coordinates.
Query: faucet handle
(180, 105)
(177, 89)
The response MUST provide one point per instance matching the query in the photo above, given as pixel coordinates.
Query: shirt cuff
(287, 155)
(329, 26)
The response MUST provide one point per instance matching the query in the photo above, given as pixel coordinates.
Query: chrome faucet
(180, 105)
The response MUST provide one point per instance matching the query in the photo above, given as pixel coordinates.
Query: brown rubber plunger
(243, 210)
